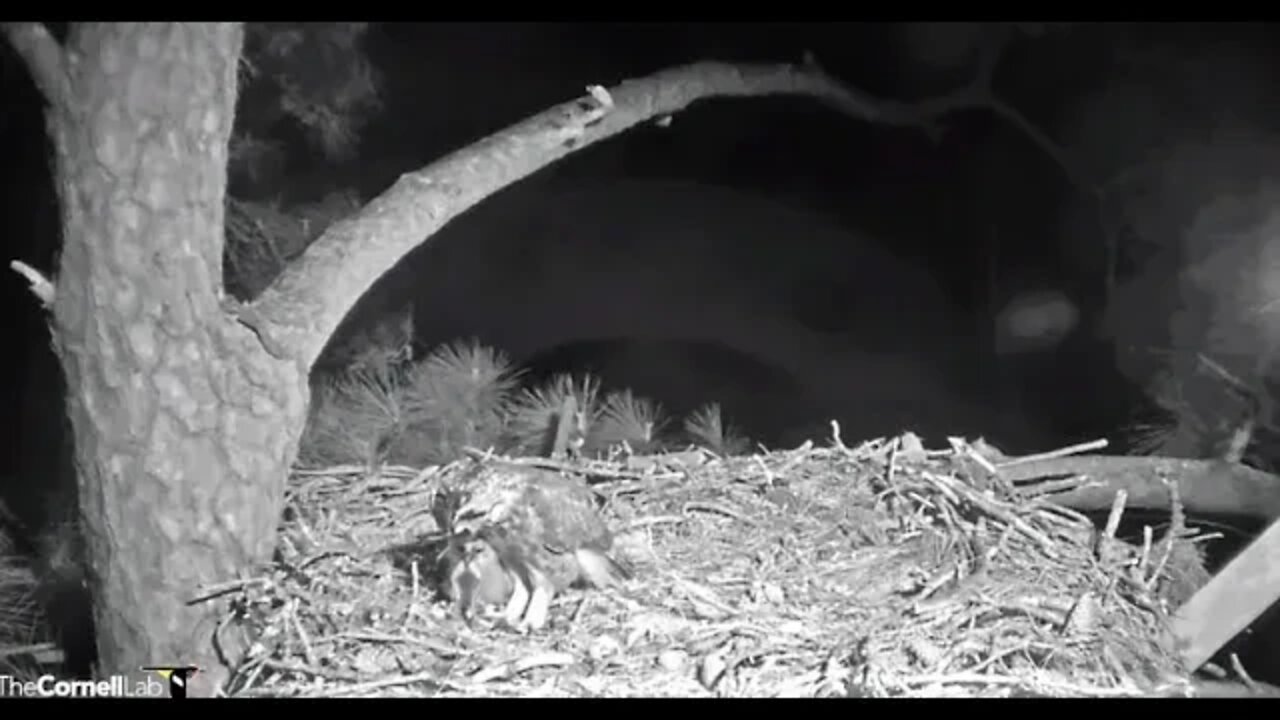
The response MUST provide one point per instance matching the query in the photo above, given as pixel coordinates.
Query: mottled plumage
(539, 530)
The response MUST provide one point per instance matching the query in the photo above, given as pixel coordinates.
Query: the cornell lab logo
(177, 675)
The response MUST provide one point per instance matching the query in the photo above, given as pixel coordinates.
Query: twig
(1177, 526)
(517, 667)
(972, 453)
(836, 441)
(566, 421)
(716, 510)
(213, 592)
(1106, 549)
(430, 678)
(1054, 454)
(308, 653)
(769, 477)
(1242, 674)
(1049, 487)
(1145, 559)
(1222, 373)
(438, 648)
(1117, 511)
(704, 594)
(36, 649)
(971, 678)
(995, 510)
(654, 520)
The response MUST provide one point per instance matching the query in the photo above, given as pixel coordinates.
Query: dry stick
(1052, 454)
(564, 427)
(38, 648)
(431, 678)
(1117, 511)
(1205, 486)
(517, 667)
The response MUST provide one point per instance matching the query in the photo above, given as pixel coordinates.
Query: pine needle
(706, 427)
(626, 419)
(532, 414)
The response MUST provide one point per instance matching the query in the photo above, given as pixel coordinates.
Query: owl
(528, 532)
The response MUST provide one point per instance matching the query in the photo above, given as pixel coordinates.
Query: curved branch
(45, 59)
(295, 316)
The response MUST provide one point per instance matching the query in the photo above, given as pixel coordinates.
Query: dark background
(935, 202)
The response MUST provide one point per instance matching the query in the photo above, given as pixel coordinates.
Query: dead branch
(1205, 486)
(45, 60)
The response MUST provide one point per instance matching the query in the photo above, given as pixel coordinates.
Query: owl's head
(490, 498)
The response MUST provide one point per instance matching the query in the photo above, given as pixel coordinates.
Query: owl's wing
(567, 514)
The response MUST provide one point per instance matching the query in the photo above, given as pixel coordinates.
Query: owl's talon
(516, 605)
(535, 616)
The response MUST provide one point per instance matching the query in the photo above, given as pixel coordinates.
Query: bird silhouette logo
(177, 675)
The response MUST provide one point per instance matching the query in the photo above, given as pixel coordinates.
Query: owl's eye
(468, 521)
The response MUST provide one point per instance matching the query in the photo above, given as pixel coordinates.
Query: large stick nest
(881, 570)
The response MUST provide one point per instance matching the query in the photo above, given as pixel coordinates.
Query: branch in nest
(1204, 486)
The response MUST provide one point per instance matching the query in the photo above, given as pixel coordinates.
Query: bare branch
(296, 314)
(44, 57)
(1042, 141)
(1204, 486)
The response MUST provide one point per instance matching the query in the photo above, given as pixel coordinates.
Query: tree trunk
(186, 409)
(184, 426)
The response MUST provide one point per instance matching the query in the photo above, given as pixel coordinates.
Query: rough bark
(184, 426)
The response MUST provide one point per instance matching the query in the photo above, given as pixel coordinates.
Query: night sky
(802, 264)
